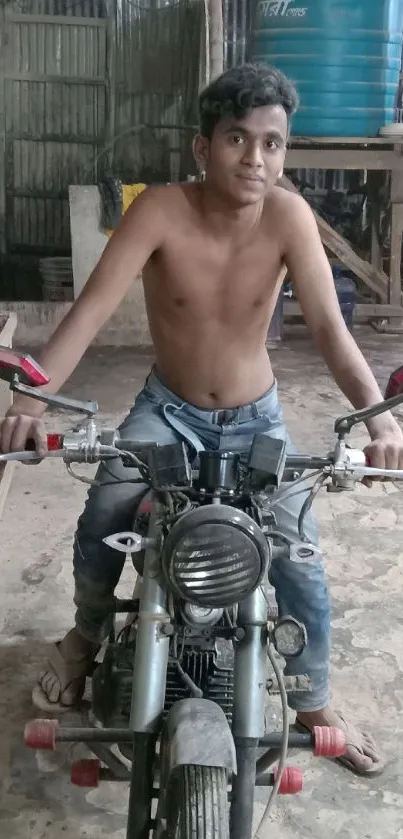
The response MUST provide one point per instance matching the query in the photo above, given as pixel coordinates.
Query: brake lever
(64, 402)
(343, 425)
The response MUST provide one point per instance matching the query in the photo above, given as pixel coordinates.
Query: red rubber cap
(292, 780)
(145, 507)
(41, 734)
(86, 773)
(54, 442)
(329, 741)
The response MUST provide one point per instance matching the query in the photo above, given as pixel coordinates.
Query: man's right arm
(138, 236)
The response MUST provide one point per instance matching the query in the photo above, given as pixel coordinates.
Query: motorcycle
(182, 686)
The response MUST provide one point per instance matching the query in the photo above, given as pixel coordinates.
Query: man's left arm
(312, 278)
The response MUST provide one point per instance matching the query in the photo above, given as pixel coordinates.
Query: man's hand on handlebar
(20, 431)
(385, 451)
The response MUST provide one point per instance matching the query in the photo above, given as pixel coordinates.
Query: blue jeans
(161, 416)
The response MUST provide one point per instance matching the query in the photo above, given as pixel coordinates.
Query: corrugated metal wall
(55, 115)
(156, 82)
(88, 86)
(237, 20)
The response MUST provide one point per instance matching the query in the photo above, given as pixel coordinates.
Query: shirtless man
(213, 256)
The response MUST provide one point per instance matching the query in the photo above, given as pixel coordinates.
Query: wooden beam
(364, 159)
(345, 141)
(373, 278)
(375, 183)
(362, 310)
(395, 290)
(216, 38)
(8, 324)
(60, 20)
(3, 50)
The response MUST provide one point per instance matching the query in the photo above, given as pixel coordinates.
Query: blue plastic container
(343, 55)
(347, 294)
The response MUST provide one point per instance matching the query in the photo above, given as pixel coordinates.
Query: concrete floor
(362, 537)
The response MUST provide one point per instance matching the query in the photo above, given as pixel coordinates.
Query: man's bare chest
(206, 277)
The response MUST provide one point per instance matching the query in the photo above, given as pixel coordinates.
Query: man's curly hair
(241, 89)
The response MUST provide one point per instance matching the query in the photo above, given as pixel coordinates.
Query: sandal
(61, 684)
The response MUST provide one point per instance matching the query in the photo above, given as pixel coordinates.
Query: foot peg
(328, 741)
(292, 780)
(86, 773)
(41, 734)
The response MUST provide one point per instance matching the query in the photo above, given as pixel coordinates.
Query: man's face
(245, 157)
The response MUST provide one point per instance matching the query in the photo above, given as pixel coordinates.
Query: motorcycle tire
(199, 807)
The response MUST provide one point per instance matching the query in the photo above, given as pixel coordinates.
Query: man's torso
(210, 296)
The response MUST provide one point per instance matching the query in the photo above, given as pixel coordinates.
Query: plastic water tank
(343, 55)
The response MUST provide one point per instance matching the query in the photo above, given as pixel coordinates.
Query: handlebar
(85, 447)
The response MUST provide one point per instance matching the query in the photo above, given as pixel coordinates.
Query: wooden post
(204, 68)
(375, 183)
(396, 198)
(216, 39)
(8, 324)
(395, 288)
(3, 51)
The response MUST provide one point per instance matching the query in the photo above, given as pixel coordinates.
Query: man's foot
(61, 684)
(362, 756)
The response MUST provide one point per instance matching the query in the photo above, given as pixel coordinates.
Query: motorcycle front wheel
(198, 805)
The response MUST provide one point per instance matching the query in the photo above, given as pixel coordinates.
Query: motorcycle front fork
(149, 684)
(148, 697)
(249, 709)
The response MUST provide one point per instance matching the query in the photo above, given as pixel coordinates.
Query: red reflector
(395, 384)
(54, 442)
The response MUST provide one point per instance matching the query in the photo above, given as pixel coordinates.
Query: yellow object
(130, 192)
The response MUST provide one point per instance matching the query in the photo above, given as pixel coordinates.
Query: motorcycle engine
(209, 665)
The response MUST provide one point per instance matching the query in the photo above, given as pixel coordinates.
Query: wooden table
(374, 155)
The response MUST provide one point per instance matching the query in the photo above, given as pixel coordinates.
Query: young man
(213, 256)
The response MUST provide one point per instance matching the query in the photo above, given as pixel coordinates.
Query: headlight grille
(215, 556)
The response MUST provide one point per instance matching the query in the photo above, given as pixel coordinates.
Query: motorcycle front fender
(196, 733)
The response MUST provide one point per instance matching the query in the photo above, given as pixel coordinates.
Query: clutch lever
(343, 425)
(64, 402)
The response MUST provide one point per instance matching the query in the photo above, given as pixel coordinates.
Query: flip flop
(70, 680)
(355, 739)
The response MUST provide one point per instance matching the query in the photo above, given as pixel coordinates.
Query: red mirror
(395, 384)
(29, 372)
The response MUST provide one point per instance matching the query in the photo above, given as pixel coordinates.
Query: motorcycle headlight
(215, 556)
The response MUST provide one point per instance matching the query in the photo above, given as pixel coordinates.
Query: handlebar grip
(301, 462)
(54, 443)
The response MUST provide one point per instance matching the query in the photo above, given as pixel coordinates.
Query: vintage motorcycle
(182, 687)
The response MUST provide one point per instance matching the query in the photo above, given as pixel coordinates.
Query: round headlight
(215, 556)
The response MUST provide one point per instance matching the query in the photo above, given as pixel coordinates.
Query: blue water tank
(343, 55)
